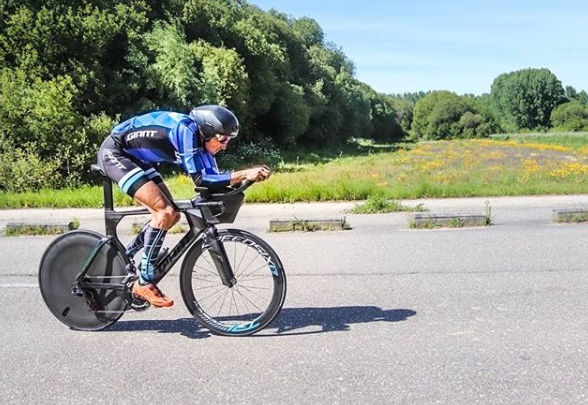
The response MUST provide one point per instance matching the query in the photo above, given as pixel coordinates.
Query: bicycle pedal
(135, 302)
(139, 304)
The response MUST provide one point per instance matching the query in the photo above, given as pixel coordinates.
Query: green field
(522, 164)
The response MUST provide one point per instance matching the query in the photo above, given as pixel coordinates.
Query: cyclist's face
(214, 146)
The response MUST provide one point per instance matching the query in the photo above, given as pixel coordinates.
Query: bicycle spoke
(205, 288)
(249, 264)
(253, 292)
(207, 270)
(210, 280)
(251, 302)
(260, 277)
(256, 270)
(240, 261)
(219, 291)
(207, 261)
(245, 303)
(249, 305)
(247, 286)
(222, 305)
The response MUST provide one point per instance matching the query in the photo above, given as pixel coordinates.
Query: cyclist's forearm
(212, 181)
(238, 176)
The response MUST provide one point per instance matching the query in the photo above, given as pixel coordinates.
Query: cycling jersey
(164, 136)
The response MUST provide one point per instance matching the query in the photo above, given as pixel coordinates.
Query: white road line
(17, 285)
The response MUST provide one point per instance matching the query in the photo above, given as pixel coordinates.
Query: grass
(569, 139)
(512, 164)
(378, 205)
(458, 168)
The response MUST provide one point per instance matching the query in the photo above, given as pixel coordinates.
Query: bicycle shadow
(187, 327)
(332, 319)
(290, 321)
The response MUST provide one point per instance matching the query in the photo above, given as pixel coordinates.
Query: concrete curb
(308, 225)
(569, 216)
(427, 221)
(38, 227)
(257, 216)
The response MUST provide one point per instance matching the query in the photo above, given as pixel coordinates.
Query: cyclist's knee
(166, 218)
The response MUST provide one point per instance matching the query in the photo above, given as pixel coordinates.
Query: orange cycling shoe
(152, 294)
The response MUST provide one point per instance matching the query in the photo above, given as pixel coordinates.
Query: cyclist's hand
(258, 173)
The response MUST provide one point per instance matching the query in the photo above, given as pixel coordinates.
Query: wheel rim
(250, 304)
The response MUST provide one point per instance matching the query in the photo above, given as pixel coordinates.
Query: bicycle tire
(260, 290)
(62, 262)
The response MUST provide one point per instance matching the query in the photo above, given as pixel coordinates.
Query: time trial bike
(231, 281)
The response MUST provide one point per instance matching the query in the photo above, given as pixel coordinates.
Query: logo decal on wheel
(233, 238)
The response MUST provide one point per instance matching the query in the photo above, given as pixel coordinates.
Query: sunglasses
(223, 138)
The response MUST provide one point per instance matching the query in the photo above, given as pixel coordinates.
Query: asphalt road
(378, 314)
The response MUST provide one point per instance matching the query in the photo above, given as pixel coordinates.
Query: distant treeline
(69, 70)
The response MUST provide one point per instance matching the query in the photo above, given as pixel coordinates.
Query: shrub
(24, 170)
(41, 129)
(571, 116)
(438, 114)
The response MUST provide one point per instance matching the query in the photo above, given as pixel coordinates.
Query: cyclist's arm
(202, 166)
(199, 164)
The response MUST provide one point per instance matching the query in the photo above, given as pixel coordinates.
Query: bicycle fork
(219, 257)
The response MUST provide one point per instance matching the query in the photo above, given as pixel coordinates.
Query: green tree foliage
(70, 69)
(40, 126)
(525, 98)
(570, 116)
(404, 111)
(572, 94)
(445, 115)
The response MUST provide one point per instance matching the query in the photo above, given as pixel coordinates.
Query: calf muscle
(163, 215)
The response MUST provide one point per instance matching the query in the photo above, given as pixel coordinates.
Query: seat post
(108, 198)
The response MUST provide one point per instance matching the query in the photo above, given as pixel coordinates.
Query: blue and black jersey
(164, 136)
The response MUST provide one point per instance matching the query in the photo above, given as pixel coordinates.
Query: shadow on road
(291, 321)
(330, 319)
(184, 326)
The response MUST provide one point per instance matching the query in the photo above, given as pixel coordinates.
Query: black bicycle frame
(200, 219)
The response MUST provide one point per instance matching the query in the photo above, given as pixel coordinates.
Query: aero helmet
(214, 119)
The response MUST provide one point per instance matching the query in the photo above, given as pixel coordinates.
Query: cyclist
(129, 156)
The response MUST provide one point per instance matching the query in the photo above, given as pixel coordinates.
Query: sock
(137, 244)
(153, 242)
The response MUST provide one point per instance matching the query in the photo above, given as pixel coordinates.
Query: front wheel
(248, 306)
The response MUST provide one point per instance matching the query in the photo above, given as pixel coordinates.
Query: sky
(403, 46)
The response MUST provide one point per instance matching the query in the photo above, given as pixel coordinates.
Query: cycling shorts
(127, 171)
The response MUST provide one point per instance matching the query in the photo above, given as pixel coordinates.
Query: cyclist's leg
(138, 180)
(163, 217)
(139, 242)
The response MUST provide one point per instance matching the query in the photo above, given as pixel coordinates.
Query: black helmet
(214, 119)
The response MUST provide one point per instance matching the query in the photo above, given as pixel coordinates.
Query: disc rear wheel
(90, 309)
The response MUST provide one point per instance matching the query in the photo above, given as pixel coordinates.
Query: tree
(438, 115)
(570, 116)
(572, 94)
(525, 98)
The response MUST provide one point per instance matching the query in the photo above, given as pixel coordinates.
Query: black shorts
(127, 171)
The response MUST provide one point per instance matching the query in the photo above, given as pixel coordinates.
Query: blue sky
(456, 45)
